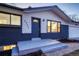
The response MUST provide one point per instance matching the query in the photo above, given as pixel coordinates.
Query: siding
(73, 32)
(44, 15)
(9, 35)
(64, 31)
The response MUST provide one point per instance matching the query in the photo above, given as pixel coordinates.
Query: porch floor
(26, 47)
(45, 45)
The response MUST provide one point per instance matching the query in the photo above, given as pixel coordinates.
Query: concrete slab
(53, 47)
(36, 38)
(26, 47)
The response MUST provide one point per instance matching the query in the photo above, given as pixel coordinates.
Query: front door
(35, 27)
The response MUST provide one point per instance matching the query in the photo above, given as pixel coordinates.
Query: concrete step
(36, 38)
(46, 45)
(27, 47)
(53, 47)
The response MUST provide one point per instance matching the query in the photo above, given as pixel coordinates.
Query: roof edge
(10, 6)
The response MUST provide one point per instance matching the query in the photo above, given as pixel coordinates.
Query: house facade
(17, 24)
(41, 23)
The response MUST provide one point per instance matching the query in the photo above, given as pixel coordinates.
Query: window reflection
(4, 18)
(15, 20)
(58, 27)
(9, 19)
(53, 26)
(49, 29)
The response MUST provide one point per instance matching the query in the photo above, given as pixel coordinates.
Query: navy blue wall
(50, 35)
(10, 35)
(64, 31)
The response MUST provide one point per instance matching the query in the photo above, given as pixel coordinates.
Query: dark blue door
(35, 27)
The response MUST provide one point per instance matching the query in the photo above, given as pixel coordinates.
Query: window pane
(15, 20)
(4, 18)
(35, 20)
(54, 27)
(49, 23)
(58, 27)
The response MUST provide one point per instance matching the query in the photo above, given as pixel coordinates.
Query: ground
(74, 53)
(72, 50)
(74, 46)
(5, 53)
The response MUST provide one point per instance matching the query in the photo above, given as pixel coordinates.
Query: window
(9, 19)
(53, 26)
(4, 18)
(35, 20)
(49, 29)
(15, 20)
(58, 27)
